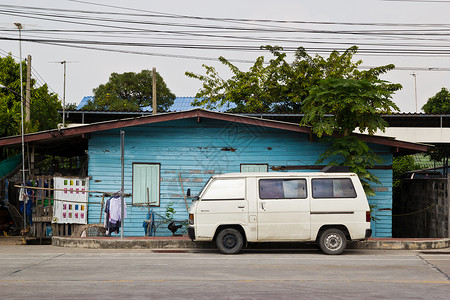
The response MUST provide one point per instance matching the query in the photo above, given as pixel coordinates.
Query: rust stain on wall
(381, 189)
(175, 196)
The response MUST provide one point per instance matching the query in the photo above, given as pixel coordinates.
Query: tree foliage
(352, 152)
(131, 92)
(278, 86)
(44, 105)
(401, 165)
(344, 104)
(335, 97)
(339, 106)
(439, 103)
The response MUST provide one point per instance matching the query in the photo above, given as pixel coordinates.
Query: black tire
(229, 241)
(332, 241)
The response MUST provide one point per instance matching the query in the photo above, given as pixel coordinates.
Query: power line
(376, 50)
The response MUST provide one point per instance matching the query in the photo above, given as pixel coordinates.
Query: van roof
(282, 174)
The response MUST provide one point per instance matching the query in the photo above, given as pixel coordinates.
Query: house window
(333, 188)
(146, 179)
(254, 168)
(282, 189)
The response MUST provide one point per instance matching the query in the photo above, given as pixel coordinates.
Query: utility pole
(64, 92)
(154, 91)
(28, 92)
(19, 26)
(415, 90)
(64, 95)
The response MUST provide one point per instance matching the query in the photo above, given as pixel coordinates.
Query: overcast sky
(177, 36)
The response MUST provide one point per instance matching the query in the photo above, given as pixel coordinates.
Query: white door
(283, 210)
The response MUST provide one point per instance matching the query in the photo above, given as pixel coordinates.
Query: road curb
(184, 243)
(399, 244)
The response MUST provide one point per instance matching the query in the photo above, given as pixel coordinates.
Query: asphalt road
(48, 272)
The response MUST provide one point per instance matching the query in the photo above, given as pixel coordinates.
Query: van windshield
(203, 188)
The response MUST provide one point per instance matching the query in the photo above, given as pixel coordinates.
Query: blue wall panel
(197, 150)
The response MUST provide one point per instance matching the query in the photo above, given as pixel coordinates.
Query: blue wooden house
(165, 154)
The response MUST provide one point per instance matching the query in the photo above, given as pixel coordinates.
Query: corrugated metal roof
(179, 104)
(84, 101)
(425, 161)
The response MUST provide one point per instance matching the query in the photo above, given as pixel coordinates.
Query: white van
(327, 208)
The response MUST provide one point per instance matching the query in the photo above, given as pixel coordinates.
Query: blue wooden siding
(195, 151)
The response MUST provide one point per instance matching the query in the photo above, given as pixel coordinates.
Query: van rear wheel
(229, 241)
(332, 241)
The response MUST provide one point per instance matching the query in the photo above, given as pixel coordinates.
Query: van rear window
(333, 188)
(282, 189)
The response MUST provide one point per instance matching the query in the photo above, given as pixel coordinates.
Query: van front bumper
(191, 233)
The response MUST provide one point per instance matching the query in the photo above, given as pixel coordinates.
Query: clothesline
(71, 190)
(72, 201)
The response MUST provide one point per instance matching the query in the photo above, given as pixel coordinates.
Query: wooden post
(182, 188)
(101, 210)
(154, 90)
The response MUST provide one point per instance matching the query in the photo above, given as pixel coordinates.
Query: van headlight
(191, 219)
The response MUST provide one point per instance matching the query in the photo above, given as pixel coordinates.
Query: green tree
(335, 97)
(71, 106)
(43, 108)
(44, 105)
(439, 103)
(278, 86)
(340, 106)
(400, 165)
(130, 92)
(345, 104)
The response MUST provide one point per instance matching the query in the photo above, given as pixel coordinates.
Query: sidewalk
(441, 244)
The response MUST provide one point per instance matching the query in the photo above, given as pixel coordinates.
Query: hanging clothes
(113, 215)
(149, 224)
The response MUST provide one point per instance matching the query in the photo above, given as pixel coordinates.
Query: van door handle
(241, 206)
(262, 206)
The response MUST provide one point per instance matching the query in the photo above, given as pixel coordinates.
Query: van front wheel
(332, 241)
(229, 241)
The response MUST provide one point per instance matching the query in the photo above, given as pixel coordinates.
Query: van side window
(226, 189)
(333, 188)
(282, 189)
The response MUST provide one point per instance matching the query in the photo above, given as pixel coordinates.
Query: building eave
(81, 131)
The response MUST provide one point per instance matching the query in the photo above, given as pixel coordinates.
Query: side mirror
(188, 192)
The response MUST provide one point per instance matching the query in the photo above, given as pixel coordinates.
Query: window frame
(283, 179)
(243, 165)
(333, 197)
(159, 185)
